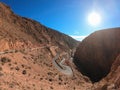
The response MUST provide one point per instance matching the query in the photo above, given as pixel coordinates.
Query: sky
(69, 16)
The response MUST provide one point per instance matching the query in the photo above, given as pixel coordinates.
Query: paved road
(60, 66)
(67, 70)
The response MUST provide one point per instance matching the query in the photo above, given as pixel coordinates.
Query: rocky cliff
(112, 80)
(96, 53)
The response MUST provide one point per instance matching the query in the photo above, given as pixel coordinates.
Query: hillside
(16, 30)
(27, 49)
(96, 53)
(35, 57)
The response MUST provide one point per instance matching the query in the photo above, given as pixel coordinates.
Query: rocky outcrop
(112, 80)
(95, 54)
(114, 75)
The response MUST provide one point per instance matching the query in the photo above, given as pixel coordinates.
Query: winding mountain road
(67, 70)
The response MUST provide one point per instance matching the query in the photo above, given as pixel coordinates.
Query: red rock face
(116, 73)
(114, 76)
(112, 80)
(95, 54)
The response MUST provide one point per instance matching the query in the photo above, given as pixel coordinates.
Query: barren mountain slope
(27, 49)
(18, 32)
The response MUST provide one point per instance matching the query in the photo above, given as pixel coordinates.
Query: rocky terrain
(96, 53)
(98, 57)
(112, 80)
(113, 77)
(27, 49)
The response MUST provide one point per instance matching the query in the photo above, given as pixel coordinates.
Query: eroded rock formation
(95, 54)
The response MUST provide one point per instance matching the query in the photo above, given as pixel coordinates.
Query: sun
(94, 19)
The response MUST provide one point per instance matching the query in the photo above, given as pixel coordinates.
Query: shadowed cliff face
(112, 80)
(95, 55)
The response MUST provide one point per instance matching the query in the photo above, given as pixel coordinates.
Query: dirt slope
(29, 65)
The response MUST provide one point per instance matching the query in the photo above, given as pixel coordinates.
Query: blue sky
(69, 16)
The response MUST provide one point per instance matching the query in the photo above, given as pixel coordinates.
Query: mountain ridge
(24, 29)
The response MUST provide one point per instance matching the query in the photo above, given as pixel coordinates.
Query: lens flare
(94, 19)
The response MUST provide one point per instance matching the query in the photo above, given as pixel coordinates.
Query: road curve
(67, 70)
(61, 67)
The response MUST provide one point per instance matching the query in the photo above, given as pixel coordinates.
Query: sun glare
(94, 19)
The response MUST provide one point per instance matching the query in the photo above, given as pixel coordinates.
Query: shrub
(5, 60)
(24, 72)
(50, 80)
(17, 68)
